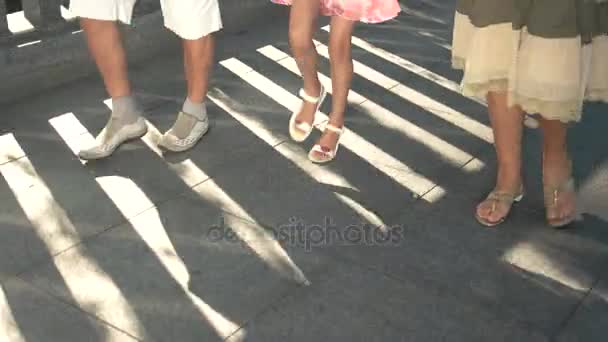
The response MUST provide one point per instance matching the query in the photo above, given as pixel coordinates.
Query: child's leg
(341, 77)
(304, 14)
(340, 53)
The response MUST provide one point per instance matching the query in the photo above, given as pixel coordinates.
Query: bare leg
(198, 64)
(304, 14)
(340, 52)
(557, 168)
(192, 122)
(507, 124)
(106, 48)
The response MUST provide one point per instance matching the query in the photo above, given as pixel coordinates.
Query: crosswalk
(381, 115)
(58, 233)
(74, 134)
(56, 230)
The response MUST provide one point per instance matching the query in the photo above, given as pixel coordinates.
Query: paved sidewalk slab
(31, 315)
(522, 270)
(219, 242)
(168, 275)
(353, 304)
(590, 321)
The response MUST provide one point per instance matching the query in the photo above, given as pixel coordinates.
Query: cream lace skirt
(547, 76)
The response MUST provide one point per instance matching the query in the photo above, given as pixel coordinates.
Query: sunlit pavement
(243, 239)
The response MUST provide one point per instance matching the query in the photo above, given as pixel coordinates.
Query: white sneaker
(112, 136)
(173, 143)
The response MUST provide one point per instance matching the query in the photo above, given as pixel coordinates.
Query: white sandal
(300, 131)
(329, 154)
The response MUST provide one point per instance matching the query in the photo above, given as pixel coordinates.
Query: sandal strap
(552, 193)
(332, 128)
(501, 196)
(309, 98)
(318, 148)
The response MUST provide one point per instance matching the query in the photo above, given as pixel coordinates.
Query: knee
(300, 42)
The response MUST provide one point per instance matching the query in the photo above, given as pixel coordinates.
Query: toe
(483, 210)
(496, 216)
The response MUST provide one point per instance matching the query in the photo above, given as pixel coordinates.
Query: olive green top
(544, 18)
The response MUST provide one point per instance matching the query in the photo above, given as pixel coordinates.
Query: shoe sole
(489, 224)
(565, 224)
(321, 162)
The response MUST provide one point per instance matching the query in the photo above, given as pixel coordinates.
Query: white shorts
(189, 19)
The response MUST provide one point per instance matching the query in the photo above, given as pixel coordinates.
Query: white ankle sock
(185, 123)
(126, 109)
(196, 109)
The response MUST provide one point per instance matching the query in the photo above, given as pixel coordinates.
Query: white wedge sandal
(300, 131)
(328, 154)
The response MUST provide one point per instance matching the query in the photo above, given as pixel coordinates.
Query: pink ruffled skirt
(367, 11)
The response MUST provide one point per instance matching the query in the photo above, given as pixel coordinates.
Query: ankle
(556, 160)
(336, 120)
(556, 167)
(194, 108)
(126, 108)
(510, 181)
(313, 89)
(556, 175)
(512, 187)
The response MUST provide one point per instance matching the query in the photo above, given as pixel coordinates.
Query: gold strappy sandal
(554, 195)
(499, 197)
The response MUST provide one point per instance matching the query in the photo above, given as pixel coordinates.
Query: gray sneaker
(196, 128)
(115, 133)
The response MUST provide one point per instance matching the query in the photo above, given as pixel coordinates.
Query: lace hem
(597, 95)
(458, 63)
(569, 111)
(481, 90)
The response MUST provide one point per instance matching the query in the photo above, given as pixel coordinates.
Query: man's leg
(194, 21)
(106, 48)
(198, 64)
